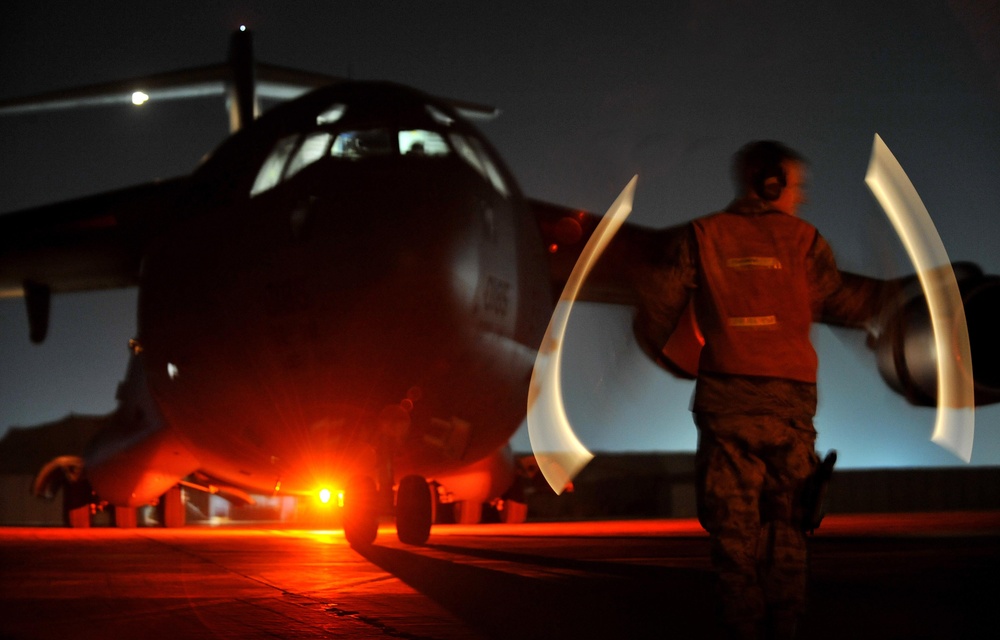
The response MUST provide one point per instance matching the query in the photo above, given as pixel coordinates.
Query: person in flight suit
(757, 276)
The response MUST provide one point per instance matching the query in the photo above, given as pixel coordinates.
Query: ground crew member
(757, 277)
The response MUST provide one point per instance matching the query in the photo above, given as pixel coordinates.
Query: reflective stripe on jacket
(754, 297)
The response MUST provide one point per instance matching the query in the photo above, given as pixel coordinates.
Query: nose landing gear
(414, 511)
(361, 512)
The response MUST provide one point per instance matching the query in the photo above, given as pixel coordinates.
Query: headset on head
(762, 168)
(770, 183)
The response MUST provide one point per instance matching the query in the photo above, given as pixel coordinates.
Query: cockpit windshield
(355, 145)
(334, 138)
(270, 172)
(421, 142)
(312, 148)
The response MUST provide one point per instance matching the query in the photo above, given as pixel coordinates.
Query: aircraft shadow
(534, 596)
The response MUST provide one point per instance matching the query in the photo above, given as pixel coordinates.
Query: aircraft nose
(355, 288)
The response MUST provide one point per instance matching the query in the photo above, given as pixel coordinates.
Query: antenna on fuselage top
(241, 89)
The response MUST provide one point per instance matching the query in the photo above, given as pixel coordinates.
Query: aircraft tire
(77, 498)
(468, 512)
(126, 517)
(171, 509)
(78, 517)
(414, 510)
(513, 512)
(360, 512)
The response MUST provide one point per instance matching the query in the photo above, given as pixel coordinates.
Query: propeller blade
(954, 425)
(559, 453)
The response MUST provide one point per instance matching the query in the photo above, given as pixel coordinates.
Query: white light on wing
(559, 453)
(139, 98)
(955, 423)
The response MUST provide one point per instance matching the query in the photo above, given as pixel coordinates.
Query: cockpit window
(467, 153)
(472, 151)
(293, 153)
(313, 147)
(439, 116)
(270, 172)
(420, 142)
(331, 115)
(362, 144)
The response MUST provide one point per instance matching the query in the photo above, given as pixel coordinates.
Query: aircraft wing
(286, 83)
(279, 83)
(186, 83)
(93, 242)
(626, 266)
(90, 243)
(271, 82)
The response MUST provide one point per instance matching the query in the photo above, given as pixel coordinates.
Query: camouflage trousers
(750, 473)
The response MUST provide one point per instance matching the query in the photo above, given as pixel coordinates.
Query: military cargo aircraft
(348, 294)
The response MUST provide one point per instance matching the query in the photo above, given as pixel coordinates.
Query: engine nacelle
(905, 349)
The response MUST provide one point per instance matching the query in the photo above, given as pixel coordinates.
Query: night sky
(589, 96)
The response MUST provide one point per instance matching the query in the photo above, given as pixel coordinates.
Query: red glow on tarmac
(833, 525)
(879, 524)
(905, 524)
(272, 580)
(601, 529)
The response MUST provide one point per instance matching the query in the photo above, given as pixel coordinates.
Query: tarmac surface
(872, 576)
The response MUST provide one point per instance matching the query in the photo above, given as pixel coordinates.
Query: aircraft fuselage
(364, 309)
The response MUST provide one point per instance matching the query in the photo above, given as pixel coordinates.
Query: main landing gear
(81, 507)
(361, 511)
(414, 509)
